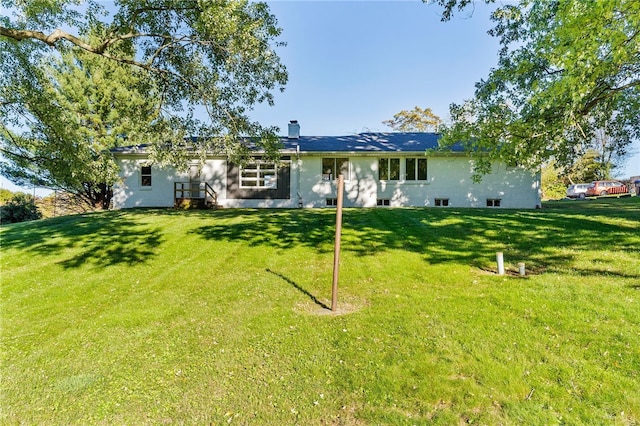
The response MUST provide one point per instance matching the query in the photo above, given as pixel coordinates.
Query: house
(380, 169)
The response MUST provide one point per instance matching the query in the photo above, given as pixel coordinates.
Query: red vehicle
(606, 187)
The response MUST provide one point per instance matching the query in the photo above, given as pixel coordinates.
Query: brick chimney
(294, 129)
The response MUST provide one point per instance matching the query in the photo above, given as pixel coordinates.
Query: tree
(607, 146)
(20, 208)
(416, 120)
(587, 168)
(72, 112)
(553, 185)
(566, 70)
(209, 57)
(5, 196)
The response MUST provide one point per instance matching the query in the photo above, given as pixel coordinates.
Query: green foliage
(70, 112)
(416, 120)
(587, 168)
(567, 71)
(216, 317)
(5, 196)
(19, 208)
(553, 185)
(197, 56)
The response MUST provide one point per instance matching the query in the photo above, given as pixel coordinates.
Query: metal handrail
(192, 190)
(211, 192)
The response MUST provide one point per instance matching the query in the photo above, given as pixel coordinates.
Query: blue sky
(353, 64)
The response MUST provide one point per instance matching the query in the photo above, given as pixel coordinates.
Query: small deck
(194, 195)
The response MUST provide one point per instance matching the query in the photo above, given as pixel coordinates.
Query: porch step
(193, 203)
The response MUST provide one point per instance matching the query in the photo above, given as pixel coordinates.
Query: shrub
(19, 208)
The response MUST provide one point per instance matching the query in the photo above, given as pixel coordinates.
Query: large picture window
(389, 169)
(259, 174)
(416, 169)
(333, 167)
(145, 176)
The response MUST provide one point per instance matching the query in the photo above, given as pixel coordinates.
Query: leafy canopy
(20, 207)
(69, 113)
(416, 120)
(566, 70)
(211, 59)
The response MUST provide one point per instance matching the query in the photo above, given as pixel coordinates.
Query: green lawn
(210, 317)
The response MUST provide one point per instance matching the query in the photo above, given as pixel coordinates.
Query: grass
(191, 317)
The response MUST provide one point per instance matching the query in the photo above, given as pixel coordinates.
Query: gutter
(298, 167)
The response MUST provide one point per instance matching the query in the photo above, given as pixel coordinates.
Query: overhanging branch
(49, 40)
(57, 35)
(605, 93)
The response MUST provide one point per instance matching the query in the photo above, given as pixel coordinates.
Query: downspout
(298, 168)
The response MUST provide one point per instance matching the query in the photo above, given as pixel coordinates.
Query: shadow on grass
(300, 289)
(99, 239)
(544, 239)
(606, 273)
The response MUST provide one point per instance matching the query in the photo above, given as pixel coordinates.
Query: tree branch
(49, 40)
(58, 35)
(604, 94)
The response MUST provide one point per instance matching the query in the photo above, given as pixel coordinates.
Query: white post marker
(500, 261)
(521, 269)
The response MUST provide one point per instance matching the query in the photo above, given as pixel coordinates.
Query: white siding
(451, 178)
(447, 178)
(130, 193)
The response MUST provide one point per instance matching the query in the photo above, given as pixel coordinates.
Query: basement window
(442, 202)
(332, 202)
(145, 176)
(383, 202)
(493, 202)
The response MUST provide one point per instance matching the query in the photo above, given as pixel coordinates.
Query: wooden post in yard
(336, 252)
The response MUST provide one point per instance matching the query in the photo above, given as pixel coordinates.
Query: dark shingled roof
(365, 142)
(406, 142)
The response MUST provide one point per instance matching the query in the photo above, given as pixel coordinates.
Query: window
(259, 174)
(389, 169)
(145, 176)
(416, 168)
(493, 202)
(332, 202)
(383, 202)
(442, 202)
(333, 167)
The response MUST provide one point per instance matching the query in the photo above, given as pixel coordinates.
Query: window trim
(388, 160)
(146, 177)
(264, 171)
(416, 172)
(328, 177)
